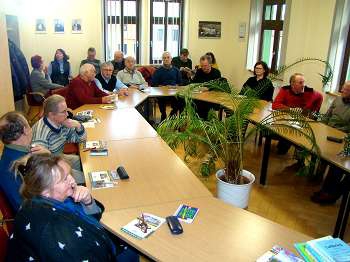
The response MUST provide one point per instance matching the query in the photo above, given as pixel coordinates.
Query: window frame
(165, 21)
(277, 26)
(134, 19)
(346, 61)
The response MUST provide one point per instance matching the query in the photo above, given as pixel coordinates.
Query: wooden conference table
(159, 182)
(329, 151)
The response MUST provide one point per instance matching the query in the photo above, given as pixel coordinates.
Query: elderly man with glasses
(109, 83)
(54, 130)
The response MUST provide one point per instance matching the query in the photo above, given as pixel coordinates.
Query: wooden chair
(35, 102)
(4, 237)
(7, 212)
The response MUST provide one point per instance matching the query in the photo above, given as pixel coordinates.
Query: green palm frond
(224, 139)
(326, 78)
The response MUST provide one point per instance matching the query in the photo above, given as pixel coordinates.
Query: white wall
(7, 101)
(229, 50)
(309, 32)
(75, 45)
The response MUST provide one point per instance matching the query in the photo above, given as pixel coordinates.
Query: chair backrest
(147, 73)
(60, 91)
(3, 243)
(6, 211)
(30, 98)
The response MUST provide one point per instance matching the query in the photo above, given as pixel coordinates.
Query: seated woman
(39, 78)
(58, 218)
(59, 69)
(259, 82)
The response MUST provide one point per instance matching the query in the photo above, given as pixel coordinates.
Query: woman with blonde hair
(58, 220)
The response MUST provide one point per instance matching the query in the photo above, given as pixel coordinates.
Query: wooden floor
(286, 198)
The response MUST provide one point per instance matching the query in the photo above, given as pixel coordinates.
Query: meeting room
(175, 130)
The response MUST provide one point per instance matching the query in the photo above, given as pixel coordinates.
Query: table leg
(265, 160)
(343, 216)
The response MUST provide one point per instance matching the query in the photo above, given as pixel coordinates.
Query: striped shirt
(54, 139)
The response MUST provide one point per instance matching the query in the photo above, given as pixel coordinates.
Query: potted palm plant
(220, 142)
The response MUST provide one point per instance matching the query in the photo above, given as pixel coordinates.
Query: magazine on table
(103, 179)
(144, 225)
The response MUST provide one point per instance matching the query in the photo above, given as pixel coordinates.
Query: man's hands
(70, 123)
(123, 92)
(38, 149)
(108, 99)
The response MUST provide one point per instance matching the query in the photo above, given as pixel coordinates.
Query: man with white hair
(130, 76)
(118, 62)
(167, 75)
(83, 90)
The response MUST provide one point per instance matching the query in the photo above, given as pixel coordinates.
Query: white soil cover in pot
(236, 195)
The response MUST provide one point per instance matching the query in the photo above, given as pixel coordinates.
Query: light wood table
(134, 98)
(118, 124)
(219, 232)
(157, 174)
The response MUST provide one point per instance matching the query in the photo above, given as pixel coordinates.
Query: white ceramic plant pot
(236, 195)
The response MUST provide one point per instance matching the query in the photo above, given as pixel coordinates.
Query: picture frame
(40, 26)
(58, 26)
(209, 29)
(76, 26)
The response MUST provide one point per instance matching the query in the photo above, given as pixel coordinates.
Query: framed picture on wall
(76, 26)
(40, 26)
(58, 26)
(207, 29)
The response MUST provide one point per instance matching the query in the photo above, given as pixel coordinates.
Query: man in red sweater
(296, 95)
(83, 90)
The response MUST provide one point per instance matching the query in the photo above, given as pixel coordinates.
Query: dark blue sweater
(166, 76)
(10, 184)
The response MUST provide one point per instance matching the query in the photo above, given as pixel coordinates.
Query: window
(345, 72)
(121, 27)
(272, 32)
(166, 28)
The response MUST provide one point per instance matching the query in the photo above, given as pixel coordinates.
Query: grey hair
(51, 104)
(166, 53)
(106, 64)
(12, 126)
(130, 58)
(85, 68)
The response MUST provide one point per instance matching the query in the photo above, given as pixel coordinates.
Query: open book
(143, 226)
(96, 148)
(103, 179)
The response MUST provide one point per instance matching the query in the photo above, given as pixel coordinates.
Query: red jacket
(309, 99)
(81, 93)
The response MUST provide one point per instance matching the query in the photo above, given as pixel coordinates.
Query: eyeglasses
(63, 112)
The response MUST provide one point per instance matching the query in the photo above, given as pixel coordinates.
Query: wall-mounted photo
(58, 26)
(207, 29)
(76, 26)
(40, 26)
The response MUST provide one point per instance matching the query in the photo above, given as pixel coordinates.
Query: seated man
(336, 183)
(16, 134)
(109, 83)
(91, 59)
(130, 76)
(167, 75)
(54, 130)
(296, 95)
(184, 64)
(83, 90)
(204, 74)
(118, 62)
